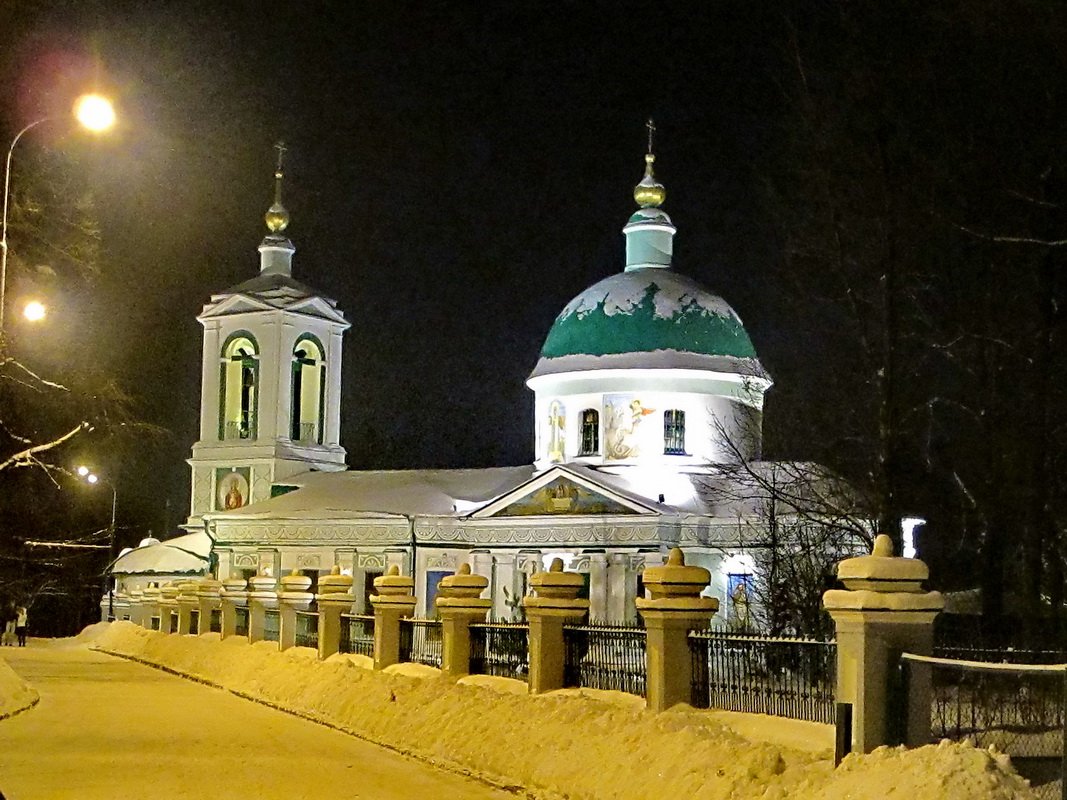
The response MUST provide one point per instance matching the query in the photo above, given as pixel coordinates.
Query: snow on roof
(180, 555)
(384, 493)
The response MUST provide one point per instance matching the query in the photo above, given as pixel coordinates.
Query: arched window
(674, 432)
(590, 432)
(239, 387)
(309, 387)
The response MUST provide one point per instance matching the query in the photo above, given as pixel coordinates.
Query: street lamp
(92, 478)
(94, 113)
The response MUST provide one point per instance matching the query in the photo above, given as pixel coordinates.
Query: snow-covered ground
(15, 694)
(570, 744)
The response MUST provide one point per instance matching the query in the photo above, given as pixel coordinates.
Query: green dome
(648, 319)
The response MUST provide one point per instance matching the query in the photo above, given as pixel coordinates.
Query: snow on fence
(758, 674)
(307, 629)
(605, 656)
(500, 648)
(357, 634)
(420, 641)
(1018, 708)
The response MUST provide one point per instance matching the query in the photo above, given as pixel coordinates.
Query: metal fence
(500, 648)
(1018, 708)
(153, 623)
(420, 641)
(240, 627)
(272, 625)
(764, 674)
(194, 622)
(215, 623)
(603, 656)
(307, 629)
(357, 634)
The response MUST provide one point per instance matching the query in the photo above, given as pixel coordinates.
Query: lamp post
(92, 478)
(94, 113)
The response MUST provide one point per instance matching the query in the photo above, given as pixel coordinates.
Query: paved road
(108, 728)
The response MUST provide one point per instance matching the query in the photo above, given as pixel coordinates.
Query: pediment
(316, 307)
(235, 304)
(558, 492)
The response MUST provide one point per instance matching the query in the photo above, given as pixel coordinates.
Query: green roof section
(647, 310)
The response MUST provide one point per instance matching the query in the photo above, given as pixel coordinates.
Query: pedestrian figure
(7, 637)
(20, 625)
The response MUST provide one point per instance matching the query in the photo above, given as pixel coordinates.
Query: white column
(598, 586)
(332, 415)
(209, 383)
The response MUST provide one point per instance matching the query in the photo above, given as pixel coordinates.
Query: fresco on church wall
(563, 496)
(557, 430)
(625, 426)
(231, 487)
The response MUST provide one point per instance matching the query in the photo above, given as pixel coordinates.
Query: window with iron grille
(590, 432)
(674, 432)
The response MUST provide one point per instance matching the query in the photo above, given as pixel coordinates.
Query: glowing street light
(94, 113)
(34, 311)
(92, 478)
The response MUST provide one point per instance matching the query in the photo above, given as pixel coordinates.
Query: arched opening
(239, 388)
(309, 387)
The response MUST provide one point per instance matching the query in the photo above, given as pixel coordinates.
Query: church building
(648, 393)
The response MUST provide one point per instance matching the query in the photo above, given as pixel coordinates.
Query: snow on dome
(148, 541)
(180, 555)
(668, 318)
(124, 551)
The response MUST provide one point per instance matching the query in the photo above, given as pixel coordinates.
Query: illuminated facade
(647, 390)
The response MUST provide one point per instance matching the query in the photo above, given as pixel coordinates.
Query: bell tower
(270, 400)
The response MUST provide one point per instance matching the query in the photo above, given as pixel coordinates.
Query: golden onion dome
(277, 218)
(649, 193)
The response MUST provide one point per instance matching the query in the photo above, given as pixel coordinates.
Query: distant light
(34, 311)
(91, 478)
(907, 530)
(83, 471)
(94, 112)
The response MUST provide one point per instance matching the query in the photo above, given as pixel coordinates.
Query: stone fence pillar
(168, 608)
(334, 599)
(674, 608)
(232, 597)
(459, 604)
(394, 600)
(209, 598)
(187, 604)
(293, 597)
(882, 612)
(137, 607)
(555, 604)
(152, 599)
(261, 596)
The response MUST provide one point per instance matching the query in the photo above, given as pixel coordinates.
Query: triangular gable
(235, 304)
(316, 307)
(559, 492)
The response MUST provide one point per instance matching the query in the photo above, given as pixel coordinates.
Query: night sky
(455, 174)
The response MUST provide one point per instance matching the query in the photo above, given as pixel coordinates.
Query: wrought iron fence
(420, 641)
(357, 634)
(764, 674)
(272, 625)
(605, 656)
(1018, 708)
(194, 622)
(173, 621)
(307, 629)
(153, 623)
(240, 626)
(215, 623)
(500, 648)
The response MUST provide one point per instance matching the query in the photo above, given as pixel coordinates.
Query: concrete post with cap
(394, 599)
(459, 603)
(555, 603)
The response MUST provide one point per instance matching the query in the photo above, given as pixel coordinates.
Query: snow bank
(571, 744)
(15, 694)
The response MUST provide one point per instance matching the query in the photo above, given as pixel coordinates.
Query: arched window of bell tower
(309, 390)
(239, 387)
